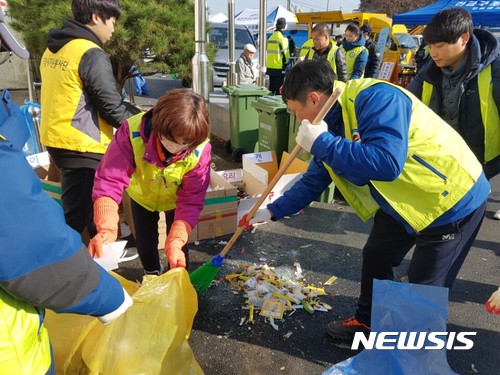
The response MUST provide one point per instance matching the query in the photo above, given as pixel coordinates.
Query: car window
(218, 36)
(405, 41)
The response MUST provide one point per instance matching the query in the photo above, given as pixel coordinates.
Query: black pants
(146, 235)
(76, 198)
(438, 256)
(276, 78)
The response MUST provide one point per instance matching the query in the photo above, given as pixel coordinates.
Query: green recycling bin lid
(270, 104)
(245, 90)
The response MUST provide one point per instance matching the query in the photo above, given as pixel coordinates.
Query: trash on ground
(275, 297)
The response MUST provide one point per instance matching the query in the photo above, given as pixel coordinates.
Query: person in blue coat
(43, 262)
(395, 160)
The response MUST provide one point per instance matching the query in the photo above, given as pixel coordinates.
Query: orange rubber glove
(176, 239)
(106, 220)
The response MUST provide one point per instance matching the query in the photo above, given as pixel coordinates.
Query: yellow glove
(176, 239)
(106, 220)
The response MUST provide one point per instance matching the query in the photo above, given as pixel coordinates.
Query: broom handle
(319, 117)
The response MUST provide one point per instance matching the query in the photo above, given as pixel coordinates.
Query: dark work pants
(276, 78)
(438, 256)
(146, 235)
(76, 198)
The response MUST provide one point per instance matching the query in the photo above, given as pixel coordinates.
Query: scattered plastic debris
(287, 335)
(298, 272)
(330, 281)
(273, 296)
(306, 246)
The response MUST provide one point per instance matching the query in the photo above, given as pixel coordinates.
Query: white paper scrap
(111, 255)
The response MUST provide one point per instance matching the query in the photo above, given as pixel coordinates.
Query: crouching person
(162, 158)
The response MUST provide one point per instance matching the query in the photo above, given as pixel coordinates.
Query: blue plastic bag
(402, 307)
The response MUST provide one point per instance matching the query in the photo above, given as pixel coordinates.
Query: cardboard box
(217, 218)
(41, 165)
(258, 171)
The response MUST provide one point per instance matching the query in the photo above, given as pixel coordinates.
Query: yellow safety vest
(24, 340)
(330, 57)
(62, 92)
(350, 58)
(155, 188)
(306, 47)
(489, 112)
(439, 169)
(277, 51)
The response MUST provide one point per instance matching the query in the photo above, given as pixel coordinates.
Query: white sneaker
(497, 215)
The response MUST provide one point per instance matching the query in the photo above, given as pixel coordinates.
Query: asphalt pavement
(327, 240)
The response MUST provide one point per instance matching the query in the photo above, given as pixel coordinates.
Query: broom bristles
(202, 277)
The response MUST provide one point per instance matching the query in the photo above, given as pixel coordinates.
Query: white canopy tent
(249, 18)
(218, 17)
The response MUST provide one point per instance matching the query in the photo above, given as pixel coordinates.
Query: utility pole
(327, 4)
(289, 5)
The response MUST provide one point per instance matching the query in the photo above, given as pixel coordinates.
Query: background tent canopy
(484, 13)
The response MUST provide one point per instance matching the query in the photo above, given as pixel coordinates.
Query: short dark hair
(353, 29)
(448, 25)
(307, 76)
(321, 28)
(181, 113)
(105, 9)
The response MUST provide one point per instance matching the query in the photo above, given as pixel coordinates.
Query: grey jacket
(245, 71)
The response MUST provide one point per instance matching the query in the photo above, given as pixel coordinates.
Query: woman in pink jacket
(162, 158)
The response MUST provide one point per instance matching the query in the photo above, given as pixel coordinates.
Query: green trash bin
(273, 124)
(244, 120)
(327, 195)
(293, 129)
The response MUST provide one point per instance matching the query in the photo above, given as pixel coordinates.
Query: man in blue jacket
(393, 159)
(43, 261)
(461, 83)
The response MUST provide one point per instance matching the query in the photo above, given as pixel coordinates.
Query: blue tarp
(484, 13)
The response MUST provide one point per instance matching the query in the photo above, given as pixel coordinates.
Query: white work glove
(109, 317)
(493, 303)
(308, 133)
(261, 216)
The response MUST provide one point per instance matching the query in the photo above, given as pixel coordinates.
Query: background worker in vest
(162, 158)
(244, 65)
(456, 83)
(373, 63)
(324, 48)
(80, 103)
(278, 55)
(305, 48)
(43, 262)
(385, 160)
(355, 52)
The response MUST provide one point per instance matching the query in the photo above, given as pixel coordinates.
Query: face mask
(172, 147)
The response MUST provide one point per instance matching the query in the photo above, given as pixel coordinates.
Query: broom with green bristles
(202, 277)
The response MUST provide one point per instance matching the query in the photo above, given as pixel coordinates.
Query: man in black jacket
(80, 102)
(461, 83)
(373, 64)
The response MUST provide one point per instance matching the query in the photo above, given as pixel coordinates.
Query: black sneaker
(345, 330)
(156, 272)
(128, 254)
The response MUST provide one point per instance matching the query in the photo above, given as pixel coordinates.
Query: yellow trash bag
(151, 337)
